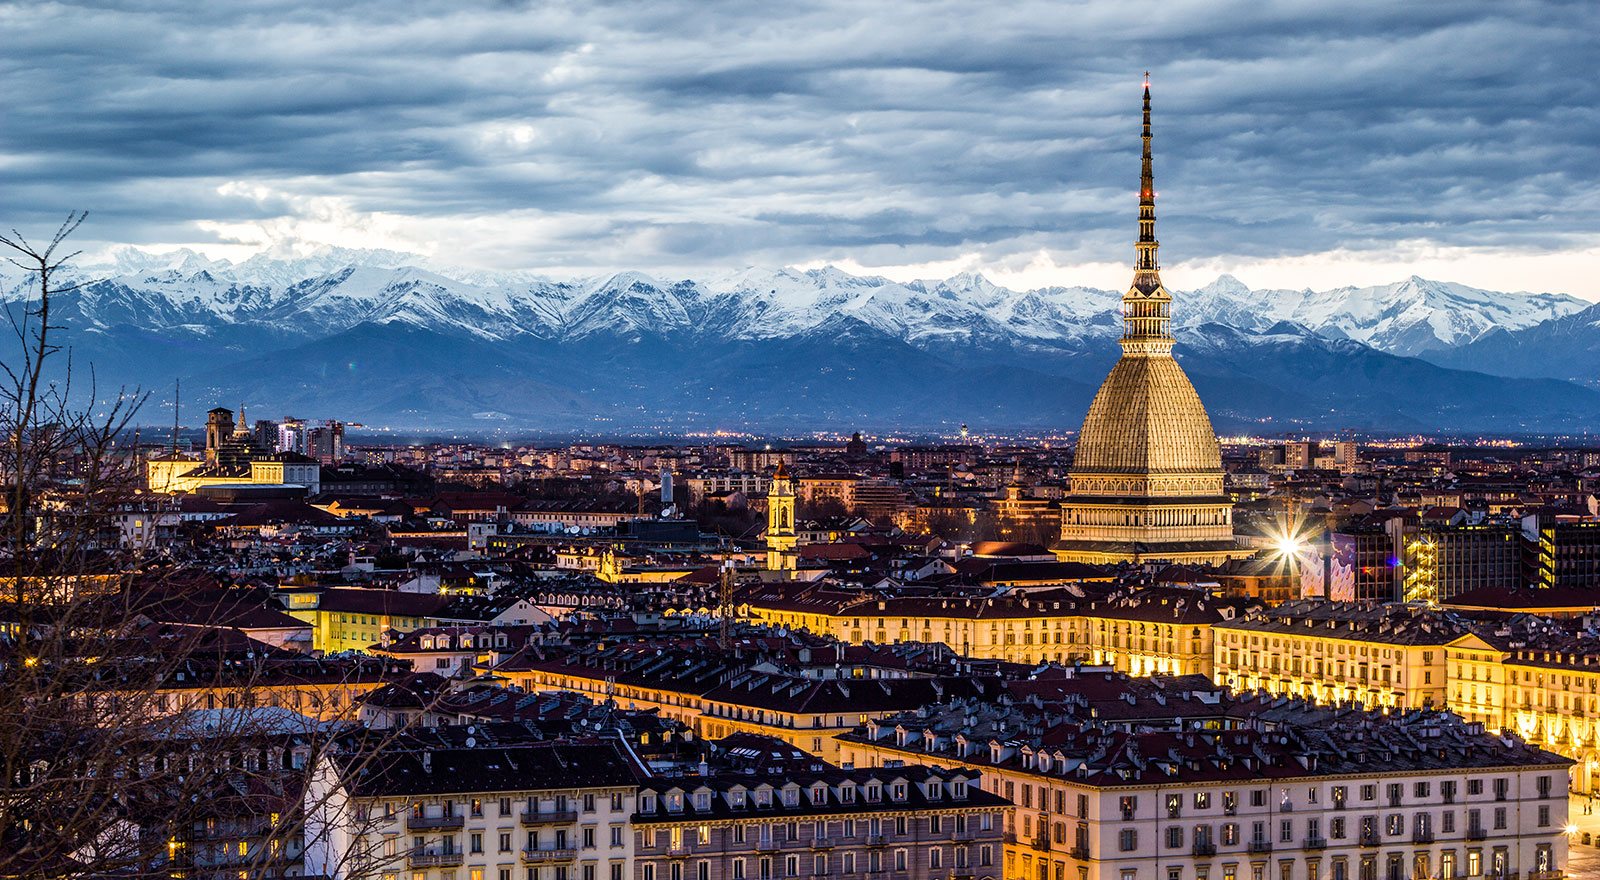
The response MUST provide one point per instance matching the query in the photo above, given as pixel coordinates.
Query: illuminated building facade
(1381, 657)
(1146, 632)
(781, 536)
(1442, 562)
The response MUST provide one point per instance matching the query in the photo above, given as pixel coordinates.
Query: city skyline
(1302, 148)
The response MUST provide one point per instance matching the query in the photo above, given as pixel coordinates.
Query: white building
(1141, 787)
(538, 811)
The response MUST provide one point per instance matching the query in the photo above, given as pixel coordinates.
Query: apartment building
(820, 821)
(1140, 630)
(717, 696)
(1279, 790)
(1388, 656)
(1552, 697)
(522, 811)
(750, 483)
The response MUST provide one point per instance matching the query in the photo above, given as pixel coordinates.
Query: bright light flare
(1290, 545)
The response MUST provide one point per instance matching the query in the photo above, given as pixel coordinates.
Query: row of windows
(1496, 863)
(819, 864)
(1357, 649)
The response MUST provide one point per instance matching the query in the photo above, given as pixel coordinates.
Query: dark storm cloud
(699, 133)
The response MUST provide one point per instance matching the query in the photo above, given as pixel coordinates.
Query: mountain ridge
(786, 346)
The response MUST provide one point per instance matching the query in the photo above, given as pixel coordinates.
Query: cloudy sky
(1297, 143)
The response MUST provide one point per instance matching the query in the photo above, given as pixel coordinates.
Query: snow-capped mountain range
(150, 317)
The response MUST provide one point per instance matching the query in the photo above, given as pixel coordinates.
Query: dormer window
(847, 794)
(763, 798)
(819, 794)
(874, 793)
(702, 800)
(898, 792)
(647, 803)
(791, 797)
(736, 799)
(958, 789)
(934, 789)
(675, 803)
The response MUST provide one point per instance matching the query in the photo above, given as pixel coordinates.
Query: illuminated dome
(1147, 419)
(1146, 480)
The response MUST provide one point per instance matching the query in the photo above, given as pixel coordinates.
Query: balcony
(1422, 836)
(1081, 853)
(435, 859)
(435, 823)
(877, 840)
(1260, 846)
(1203, 848)
(964, 836)
(1370, 839)
(1477, 833)
(548, 856)
(823, 843)
(766, 844)
(548, 817)
(1547, 875)
(679, 851)
(1315, 843)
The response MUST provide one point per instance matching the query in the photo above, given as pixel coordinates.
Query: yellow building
(162, 474)
(1553, 701)
(1143, 632)
(355, 618)
(1477, 673)
(1380, 656)
(178, 473)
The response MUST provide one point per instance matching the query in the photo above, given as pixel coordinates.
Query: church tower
(1146, 480)
(781, 537)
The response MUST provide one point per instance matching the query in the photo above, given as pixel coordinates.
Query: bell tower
(781, 537)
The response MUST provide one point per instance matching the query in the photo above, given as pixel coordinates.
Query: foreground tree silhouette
(129, 746)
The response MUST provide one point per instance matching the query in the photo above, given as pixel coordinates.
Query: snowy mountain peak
(336, 288)
(1225, 285)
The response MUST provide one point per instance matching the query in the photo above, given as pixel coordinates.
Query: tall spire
(1147, 197)
(1145, 307)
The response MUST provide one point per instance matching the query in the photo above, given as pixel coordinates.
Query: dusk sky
(1297, 143)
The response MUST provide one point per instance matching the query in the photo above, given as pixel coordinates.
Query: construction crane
(725, 605)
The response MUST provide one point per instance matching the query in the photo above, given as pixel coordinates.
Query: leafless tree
(112, 759)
